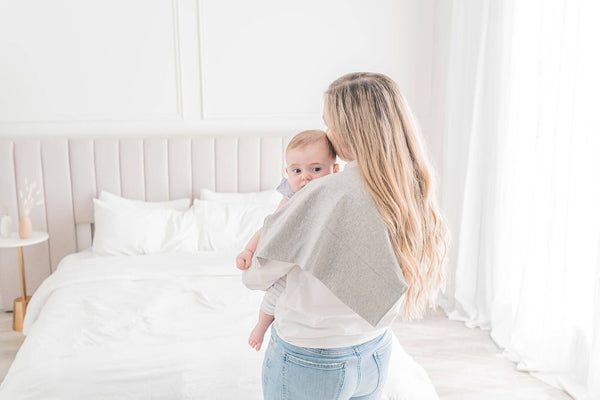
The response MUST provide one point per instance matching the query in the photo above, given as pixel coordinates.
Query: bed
(148, 315)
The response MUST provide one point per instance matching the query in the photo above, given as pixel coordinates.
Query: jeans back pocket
(312, 378)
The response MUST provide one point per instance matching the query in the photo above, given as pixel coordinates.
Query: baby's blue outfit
(285, 189)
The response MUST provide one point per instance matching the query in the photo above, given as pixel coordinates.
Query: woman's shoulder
(345, 184)
(345, 180)
(344, 191)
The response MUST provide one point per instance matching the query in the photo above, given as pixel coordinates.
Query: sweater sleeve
(263, 276)
(271, 296)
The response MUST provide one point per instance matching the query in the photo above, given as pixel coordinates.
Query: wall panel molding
(71, 73)
(202, 66)
(177, 57)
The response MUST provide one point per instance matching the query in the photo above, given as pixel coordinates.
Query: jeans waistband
(371, 345)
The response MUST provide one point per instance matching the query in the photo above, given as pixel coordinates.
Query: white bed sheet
(163, 326)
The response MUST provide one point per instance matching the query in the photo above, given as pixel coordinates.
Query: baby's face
(307, 163)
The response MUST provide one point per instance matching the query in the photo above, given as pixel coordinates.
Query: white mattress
(165, 326)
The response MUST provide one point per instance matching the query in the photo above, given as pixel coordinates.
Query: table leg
(20, 303)
(22, 271)
(19, 311)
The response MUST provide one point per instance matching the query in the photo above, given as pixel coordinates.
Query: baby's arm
(244, 259)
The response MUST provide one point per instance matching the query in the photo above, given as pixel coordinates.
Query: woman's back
(347, 277)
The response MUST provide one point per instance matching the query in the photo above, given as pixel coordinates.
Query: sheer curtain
(522, 183)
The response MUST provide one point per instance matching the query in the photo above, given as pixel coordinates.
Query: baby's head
(309, 155)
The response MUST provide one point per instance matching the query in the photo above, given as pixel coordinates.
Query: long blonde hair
(371, 122)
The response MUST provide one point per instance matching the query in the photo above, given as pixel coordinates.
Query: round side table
(20, 304)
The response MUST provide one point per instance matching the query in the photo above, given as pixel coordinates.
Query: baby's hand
(244, 259)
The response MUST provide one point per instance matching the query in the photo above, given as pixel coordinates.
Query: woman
(356, 246)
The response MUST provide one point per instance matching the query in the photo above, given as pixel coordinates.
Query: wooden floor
(466, 364)
(10, 341)
(463, 363)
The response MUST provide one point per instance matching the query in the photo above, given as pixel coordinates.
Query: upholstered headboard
(71, 172)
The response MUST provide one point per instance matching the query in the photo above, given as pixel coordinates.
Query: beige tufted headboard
(73, 171)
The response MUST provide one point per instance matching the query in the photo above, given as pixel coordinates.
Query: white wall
(119, 67)
(137, 65)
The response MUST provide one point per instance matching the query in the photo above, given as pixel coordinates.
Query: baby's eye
(317, 169)
(296, 170)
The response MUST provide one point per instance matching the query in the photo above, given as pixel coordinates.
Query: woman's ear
(336, 168)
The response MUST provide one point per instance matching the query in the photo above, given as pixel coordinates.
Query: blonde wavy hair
(369, 121)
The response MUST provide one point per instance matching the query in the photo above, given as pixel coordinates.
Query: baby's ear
(336, 168)
(286, 171)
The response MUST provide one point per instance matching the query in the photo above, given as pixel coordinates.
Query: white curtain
(522, 183)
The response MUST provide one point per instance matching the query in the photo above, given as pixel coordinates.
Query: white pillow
(266, 198)
(116, 201)
(224, 226)
(138, 230)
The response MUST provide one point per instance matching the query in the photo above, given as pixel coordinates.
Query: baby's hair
(305, 138)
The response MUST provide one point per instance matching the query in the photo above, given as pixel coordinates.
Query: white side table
(20, 304)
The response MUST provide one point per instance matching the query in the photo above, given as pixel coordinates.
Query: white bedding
(162, 326)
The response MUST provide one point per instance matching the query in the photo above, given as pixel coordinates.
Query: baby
(309, 155)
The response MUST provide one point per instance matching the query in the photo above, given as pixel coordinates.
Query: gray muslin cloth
(332, 228)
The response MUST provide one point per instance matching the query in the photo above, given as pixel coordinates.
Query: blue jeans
(299, 373)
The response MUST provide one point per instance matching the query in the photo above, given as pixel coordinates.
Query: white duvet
(165, 326)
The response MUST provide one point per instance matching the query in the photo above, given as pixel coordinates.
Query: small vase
(5, 226)
(25, 227)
